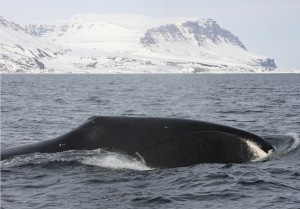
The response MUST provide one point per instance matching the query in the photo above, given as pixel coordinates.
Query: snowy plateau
(123, 43)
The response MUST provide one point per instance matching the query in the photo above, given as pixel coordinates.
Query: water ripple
(39, 107)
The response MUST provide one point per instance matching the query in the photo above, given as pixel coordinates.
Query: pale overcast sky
(266, 27)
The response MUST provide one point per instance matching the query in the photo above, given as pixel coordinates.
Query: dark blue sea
(40, 107)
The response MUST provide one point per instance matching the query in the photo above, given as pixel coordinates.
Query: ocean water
(40, 107)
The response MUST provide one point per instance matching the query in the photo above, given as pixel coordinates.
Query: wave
(116, 161)
(296, 143)
(284, 145)
(98, 157)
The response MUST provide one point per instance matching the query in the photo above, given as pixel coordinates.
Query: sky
(265, 27)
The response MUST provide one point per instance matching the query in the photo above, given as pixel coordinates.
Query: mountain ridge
(129, 43)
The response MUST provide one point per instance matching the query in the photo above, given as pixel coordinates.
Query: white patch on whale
(257, 151)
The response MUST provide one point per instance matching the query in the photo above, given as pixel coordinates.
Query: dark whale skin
(162, 142)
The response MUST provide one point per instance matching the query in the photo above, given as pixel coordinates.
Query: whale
(160, 142)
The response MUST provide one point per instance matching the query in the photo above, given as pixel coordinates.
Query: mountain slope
(204, 41)
(20, 52)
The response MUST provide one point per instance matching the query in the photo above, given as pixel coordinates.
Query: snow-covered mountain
(19, 51)
(125, 43)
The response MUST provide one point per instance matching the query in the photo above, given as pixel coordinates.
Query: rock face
(191, 31)
(270, 63)
(166, 32)
(125, 43)
(209, 29)
(39, 30)
(44, 30)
